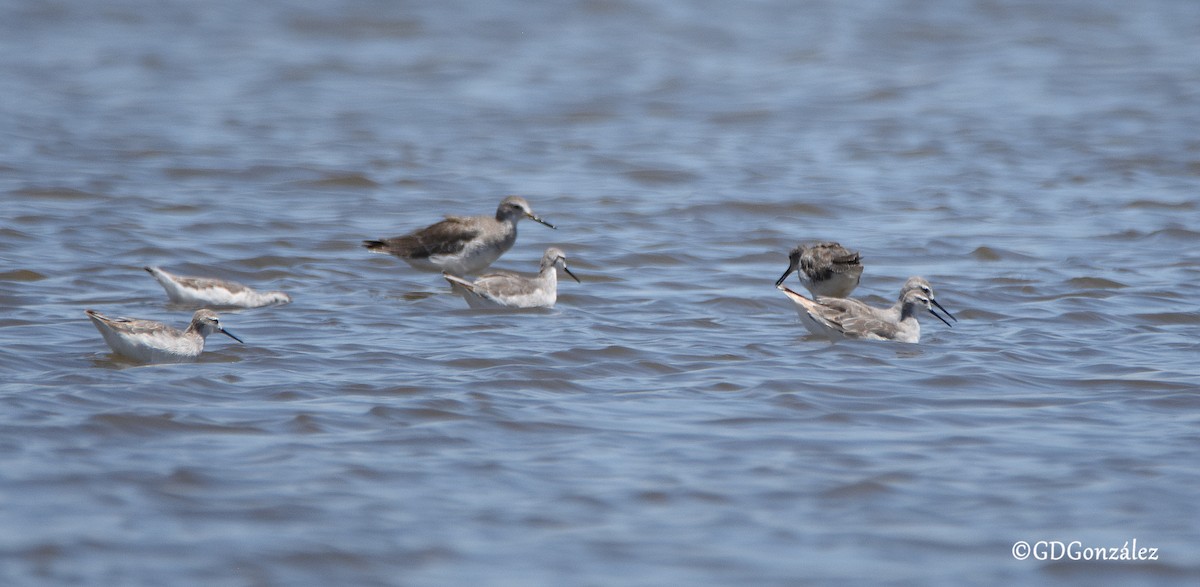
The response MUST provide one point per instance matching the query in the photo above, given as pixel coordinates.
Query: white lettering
(1056, 550)
(1073, 550)
(1039, 550)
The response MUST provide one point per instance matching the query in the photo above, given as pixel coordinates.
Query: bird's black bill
(939, 317)
(780, 281)
(571, 274)
(230, 335)
(540, 221)
(939, 306)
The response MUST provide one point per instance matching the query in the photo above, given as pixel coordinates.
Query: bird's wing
(448, 237)
(504, 284)
(854, 318)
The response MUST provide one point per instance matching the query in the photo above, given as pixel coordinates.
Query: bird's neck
(899, 310)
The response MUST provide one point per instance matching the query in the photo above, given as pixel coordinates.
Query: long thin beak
(540, 221)
(939, 316)
(230, 335)
(939, 306)
(571, 274)
(789, 271)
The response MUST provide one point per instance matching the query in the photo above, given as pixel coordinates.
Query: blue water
(669, 422)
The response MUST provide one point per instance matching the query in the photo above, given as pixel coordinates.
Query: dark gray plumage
(826, 269)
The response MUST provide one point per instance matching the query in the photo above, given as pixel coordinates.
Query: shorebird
(202, 291)
(460, 245)
(147, 341)
(509, 290)
(827, 269)
(922, 285)
(841, 318)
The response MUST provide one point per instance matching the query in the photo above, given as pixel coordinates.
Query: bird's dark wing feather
(447, 237)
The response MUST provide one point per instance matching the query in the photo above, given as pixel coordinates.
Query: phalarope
(509, 290)
(827, 269)
(147, 341)
(460, 245)
(922, 285)
(841, 318)
(202, 291)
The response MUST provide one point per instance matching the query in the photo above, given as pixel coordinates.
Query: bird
(843, 318)
(460, 245)
(147, 341)
(827, 269)
(206, 292)
(510, 290)
(916, 283)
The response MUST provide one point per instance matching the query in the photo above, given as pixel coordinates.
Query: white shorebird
(827, 269)
(460, 245)
(147, 341)
(509, 290)
(202, 291)
(841, 318)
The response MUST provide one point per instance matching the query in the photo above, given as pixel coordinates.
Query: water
(669, 422)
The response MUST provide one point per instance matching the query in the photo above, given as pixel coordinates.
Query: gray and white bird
(147, 341)
(844, 318)
(510, 290)
(208, 292)
(460, 245)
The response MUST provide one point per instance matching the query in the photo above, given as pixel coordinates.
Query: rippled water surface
(669, 422)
